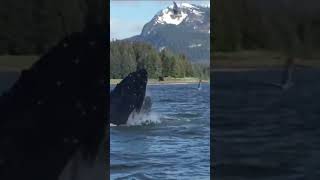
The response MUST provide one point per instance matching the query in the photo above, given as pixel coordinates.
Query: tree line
(273, 25)
(33, 27)
(126, 57)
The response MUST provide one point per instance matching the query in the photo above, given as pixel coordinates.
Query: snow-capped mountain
(182, 28)
(185, 15)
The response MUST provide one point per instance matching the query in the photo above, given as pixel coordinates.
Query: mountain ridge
(182, 28)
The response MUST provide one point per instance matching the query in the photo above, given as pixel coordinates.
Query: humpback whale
(287, 80)
(285, 83)
(57, 110)
(199, 85)
(129, 96)
(287, 76)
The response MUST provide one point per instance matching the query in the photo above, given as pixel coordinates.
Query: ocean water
(7, 79)
(262, 132)
(175, 145)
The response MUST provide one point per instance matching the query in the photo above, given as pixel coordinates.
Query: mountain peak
(181, 27)
(181, 5)
(175, 8)
(176, 13)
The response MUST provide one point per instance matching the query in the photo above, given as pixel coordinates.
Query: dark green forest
(33, 27)
(292, 28)
(126, 57)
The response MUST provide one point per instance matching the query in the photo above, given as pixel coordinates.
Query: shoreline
(258, 68)
(244, 69)
(166, 82)
(255, 60)
(11, 69)
(175, 83)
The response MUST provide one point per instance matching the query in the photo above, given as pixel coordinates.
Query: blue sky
(128, 17)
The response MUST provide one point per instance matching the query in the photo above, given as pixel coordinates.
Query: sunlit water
(175, 146)
(266, 133)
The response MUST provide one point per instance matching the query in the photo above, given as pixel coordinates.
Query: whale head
(128, 96)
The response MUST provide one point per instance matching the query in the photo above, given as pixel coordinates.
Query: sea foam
(136, 118)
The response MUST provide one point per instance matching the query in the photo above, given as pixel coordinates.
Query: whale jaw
(128, 96)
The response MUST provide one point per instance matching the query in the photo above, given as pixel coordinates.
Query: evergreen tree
(126, 57)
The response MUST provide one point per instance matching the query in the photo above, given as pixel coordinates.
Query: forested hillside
(126, 56)
(189, 35)
(32, 27)
(292, 27)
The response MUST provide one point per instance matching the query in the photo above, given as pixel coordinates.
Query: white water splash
(148, 93)
(136, 119)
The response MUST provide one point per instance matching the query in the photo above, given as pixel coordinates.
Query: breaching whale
(129, 96)
(55, 113)
(287, 76)
(199, 85)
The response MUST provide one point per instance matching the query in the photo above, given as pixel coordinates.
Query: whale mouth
(128, 96)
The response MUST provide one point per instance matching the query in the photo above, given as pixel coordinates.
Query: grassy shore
(246, 60)
(221, 61)
(187, 80)
(16, 63)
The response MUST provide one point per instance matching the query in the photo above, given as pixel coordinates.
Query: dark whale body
(128, 96)
(56, 109)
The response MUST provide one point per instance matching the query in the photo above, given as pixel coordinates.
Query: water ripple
(177, 148)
